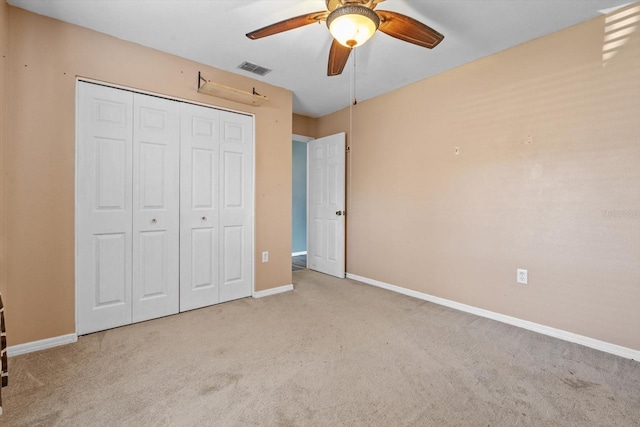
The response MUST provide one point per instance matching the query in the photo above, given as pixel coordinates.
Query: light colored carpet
(332, 352)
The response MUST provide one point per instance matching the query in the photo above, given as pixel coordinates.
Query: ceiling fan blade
(338, 56)
(288, 24)
(408, 29)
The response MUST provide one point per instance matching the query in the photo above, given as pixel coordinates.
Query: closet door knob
(153, 221)
(204, 218)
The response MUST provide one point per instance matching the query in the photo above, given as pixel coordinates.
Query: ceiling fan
(352, 23)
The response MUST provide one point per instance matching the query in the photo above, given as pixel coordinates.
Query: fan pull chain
(355, 100)
(352, 94)
(350, 137)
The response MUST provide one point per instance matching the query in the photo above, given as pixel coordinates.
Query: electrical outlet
(521, 276)
(265, 256)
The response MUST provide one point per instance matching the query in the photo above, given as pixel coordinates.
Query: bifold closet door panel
(156, 207)
(103, 207)
(199, 207)
(236, 205)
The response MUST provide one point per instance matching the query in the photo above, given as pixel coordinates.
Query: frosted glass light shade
(352, 25)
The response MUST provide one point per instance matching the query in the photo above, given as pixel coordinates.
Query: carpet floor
(330, 353)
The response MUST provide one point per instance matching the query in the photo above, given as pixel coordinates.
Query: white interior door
(236, 205)
(103, 207)
(326, 224)
(199, 207)
(156, 208)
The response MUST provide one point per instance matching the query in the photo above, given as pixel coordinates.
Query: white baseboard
(272, 291)
(299, 253)
(618, 350)
(16, 350)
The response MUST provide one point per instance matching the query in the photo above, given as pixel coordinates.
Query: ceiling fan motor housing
(353, 25)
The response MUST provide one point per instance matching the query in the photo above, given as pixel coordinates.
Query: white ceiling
(213, 32)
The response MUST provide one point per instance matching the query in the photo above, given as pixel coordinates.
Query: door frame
(75, 175)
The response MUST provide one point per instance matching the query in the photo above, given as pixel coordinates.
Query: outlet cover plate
(522, 276)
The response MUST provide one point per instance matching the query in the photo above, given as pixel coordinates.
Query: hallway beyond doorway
(299, 262)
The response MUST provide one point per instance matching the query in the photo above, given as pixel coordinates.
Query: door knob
(153, 221)
(340, 213)
(204, 218)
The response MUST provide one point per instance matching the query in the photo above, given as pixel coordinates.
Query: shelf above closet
(232, 94)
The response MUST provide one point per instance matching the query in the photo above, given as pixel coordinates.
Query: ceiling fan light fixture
(352, 25)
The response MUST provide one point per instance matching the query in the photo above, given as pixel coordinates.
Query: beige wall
(46, 57)
(305, 126)
(565, 206)
(4, 59)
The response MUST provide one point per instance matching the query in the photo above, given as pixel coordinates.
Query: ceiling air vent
(253, 68)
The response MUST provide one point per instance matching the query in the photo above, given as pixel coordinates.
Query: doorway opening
(299, 203)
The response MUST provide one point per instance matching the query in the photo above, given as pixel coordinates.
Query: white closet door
(156, 192)
(236, 205)
(199, 207)
(103, 207)
(164, 213)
